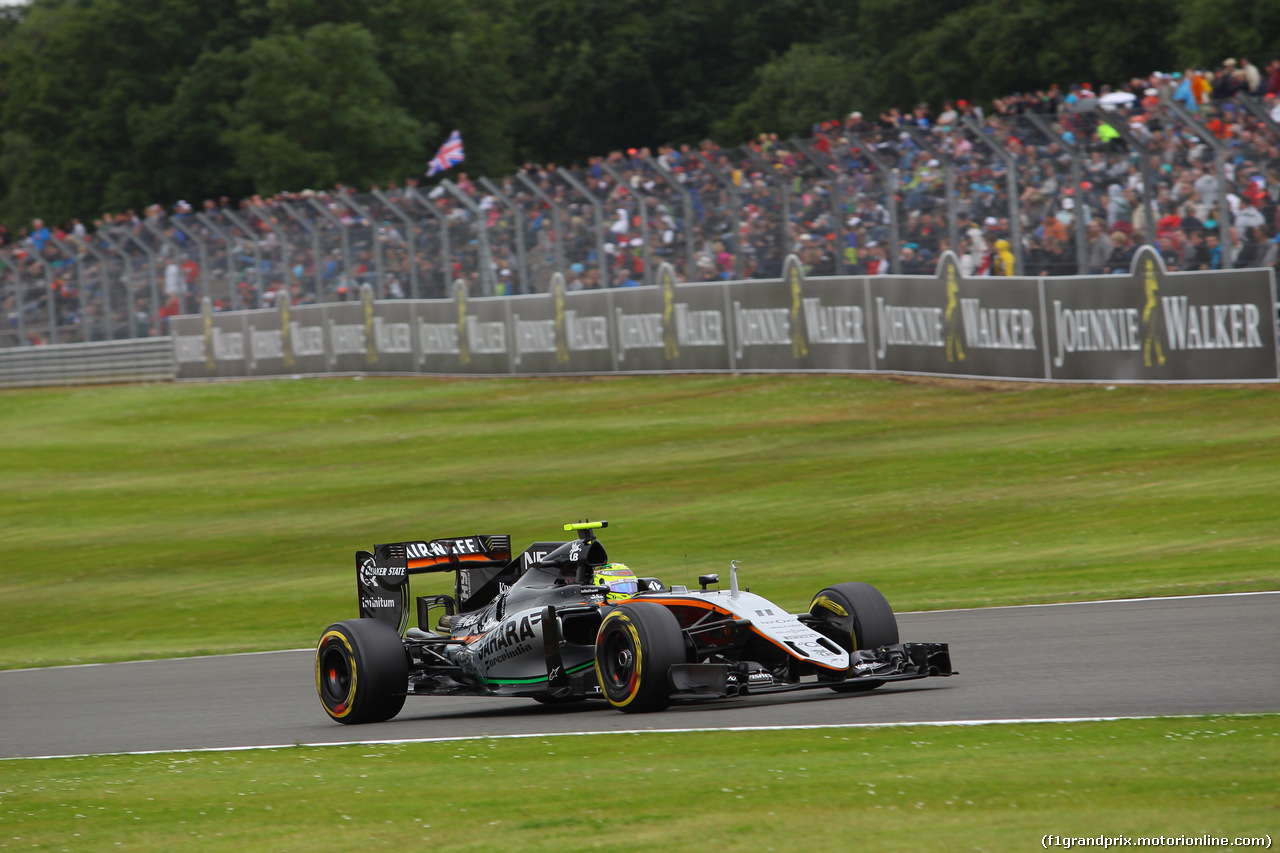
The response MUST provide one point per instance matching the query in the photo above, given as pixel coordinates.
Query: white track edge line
(691, 730)
(154, 660)
(899, 613)
(1093, 601)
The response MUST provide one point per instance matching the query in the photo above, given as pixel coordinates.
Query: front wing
(868, 668)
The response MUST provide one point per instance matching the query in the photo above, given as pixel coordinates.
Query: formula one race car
(560, 623)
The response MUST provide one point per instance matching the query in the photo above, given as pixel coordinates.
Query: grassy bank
(913, 788)
(177, 519)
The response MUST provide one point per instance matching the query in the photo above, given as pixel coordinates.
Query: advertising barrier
(1148, 326)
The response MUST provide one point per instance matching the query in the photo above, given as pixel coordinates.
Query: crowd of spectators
(859, 196)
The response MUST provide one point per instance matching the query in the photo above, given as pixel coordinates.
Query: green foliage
(1209, 31)
(807, 84)
(112, 104)
(316, 108)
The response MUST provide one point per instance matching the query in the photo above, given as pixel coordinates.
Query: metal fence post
(921, 138)
(225, 237)
(686, 204)
(427, 204)
(642, 213)
(412, 231)
(1011, 181)
(190, 234)
(375, 237)
(51, 308)
(1077, 176)
(76, 258)
(889, 178)
(829, 171)
(521, 271)
(771, 176)
(310, 227)
(342, 233)
(598, 215)
(557, 232)
(177, 250)
(1148, 179)
(131, 316)
(151, 273)
(735, 203)
(286, 248)
(249, 235)
(1219, 172)
(17, 298)
(1259, 112)
(485, 254)
(105, 283)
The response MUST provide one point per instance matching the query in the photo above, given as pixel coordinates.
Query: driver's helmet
(622, 582)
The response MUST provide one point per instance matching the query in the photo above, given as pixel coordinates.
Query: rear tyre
(636, 646)
(856, 616)
(362, 671)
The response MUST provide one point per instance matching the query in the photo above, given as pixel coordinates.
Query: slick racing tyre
(635, 647)
(361, 671)
(856, 616)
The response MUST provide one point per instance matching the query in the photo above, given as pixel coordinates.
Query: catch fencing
(1147, 326)
(847, 200)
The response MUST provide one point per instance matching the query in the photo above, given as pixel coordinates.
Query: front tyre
(636, 646)
(361, 671)
(856, 616)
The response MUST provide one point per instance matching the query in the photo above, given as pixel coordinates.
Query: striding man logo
(460, 297)
(206, 312)
(799, 334)
(370, 342)
(1151, 347)
(951, 319)
(286, 341)
(562, 332)
(668, 277)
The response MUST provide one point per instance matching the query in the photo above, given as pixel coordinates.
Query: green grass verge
(150, 521)
(995, 787)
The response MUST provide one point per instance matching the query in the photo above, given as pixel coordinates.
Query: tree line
(110, 105)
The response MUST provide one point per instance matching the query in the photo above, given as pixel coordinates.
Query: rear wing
(445, 555)
(382, 575)
(483, 565)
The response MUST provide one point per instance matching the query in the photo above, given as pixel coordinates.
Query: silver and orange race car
(560, 622)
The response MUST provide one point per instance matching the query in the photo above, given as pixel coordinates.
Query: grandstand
(1051, 183)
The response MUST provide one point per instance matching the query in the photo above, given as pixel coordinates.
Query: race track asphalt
(1195, 655)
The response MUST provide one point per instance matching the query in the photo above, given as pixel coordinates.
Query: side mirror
(706, 580)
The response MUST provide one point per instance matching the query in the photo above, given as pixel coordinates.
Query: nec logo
(531, 557)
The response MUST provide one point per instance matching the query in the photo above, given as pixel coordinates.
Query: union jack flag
(449, 155)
